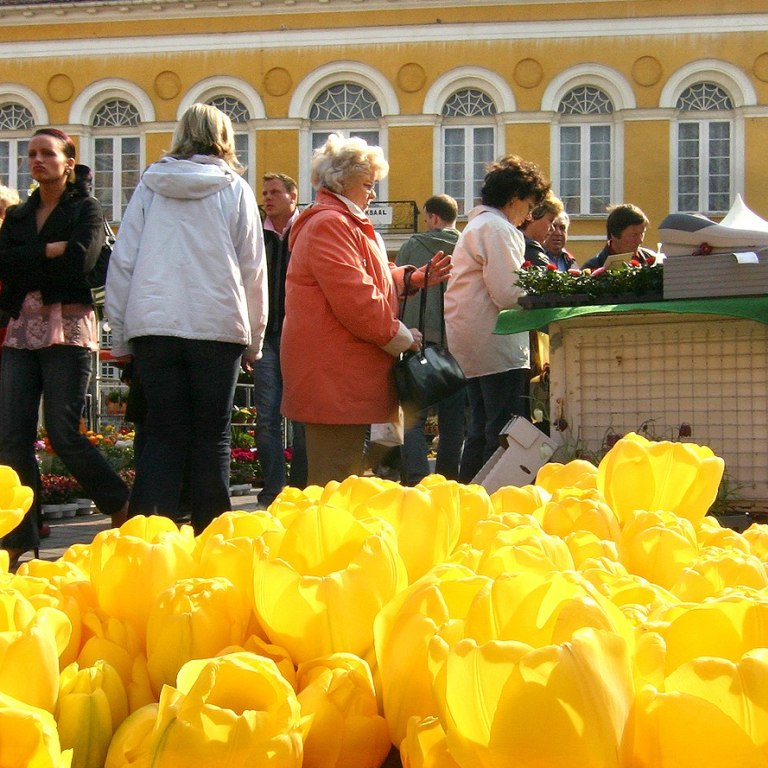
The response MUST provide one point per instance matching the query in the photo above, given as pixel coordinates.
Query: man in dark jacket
(626, 225)
(279, 199)
(440, 213)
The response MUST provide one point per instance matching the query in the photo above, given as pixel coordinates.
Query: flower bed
(596, 618)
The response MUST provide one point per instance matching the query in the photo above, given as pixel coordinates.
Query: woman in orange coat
(341, 335)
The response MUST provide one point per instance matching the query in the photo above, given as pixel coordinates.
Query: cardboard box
(715, 275)
(524, 450)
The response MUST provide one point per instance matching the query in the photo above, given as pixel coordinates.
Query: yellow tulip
(425, 745)
(678, 730)
(318, 589)
(346, 729)
(237, 524)
(757, 537)
(354, 491)
(472, 501)
(403, 632)
(711, 534)
(524, 548)
(427, 531)
(259, 646)
(131, 745)
(716, 570)
(572, 510)
(657, 546)
(556, 706)
(30, 644)
(28, 737)
(672, 477)
(149, 553)
(192, 619)
(92, 703)
(235, 711)
(585, 546)
(575, 474)
(523, 501)
(15, 500)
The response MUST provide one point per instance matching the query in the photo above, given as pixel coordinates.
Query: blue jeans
(450, 423)
(190, 387)
(493, 400)
(60, 374)
(267, 394)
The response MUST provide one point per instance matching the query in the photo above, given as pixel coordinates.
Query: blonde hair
(8, 197)
(205, 130)
(341, 162)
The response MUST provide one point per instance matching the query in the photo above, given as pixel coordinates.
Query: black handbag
(426, 377)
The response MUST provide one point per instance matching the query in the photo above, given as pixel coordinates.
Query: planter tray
(555, 300)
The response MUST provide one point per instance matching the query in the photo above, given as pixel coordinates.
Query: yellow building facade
(661, 103)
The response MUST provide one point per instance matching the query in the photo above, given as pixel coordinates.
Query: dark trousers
(267, 394)
(190, 387)
(60, 374)
(493, 400)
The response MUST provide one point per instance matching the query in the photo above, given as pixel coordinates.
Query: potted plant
(242, 470)
(116, 402)
(57, 493)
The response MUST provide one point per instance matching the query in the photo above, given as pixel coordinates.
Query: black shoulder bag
(96, 277)
(428, 376)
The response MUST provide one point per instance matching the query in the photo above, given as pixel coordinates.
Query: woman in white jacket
(187, 298)
(482, 283)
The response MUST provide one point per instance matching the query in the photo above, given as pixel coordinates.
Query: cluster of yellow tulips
(594, 619)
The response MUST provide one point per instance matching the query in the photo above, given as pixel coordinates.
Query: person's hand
(417, 339)
(247, 366)
(54, 250)
(439, 271)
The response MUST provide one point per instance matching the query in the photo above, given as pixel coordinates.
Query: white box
(524, 450)
(714, 276)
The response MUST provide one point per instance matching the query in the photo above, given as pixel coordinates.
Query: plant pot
(738, 523)
(52, 511)
(84, 506)
(69, 510)
(241, 489)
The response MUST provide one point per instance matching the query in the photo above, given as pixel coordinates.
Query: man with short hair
(626, 225)
(439, 214)
(554, 244)
(280, 195)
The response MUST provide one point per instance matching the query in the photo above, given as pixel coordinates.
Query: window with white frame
(704, 149)
(469, 141)
(586, 150)
(117, 155)
(14, 168)
(239, 115)
(346, 108)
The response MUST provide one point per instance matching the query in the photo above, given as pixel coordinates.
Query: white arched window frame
(471, 106)
(322, 91)
(244, 107)
(588, 103)
(21, 110)
(707, 135)
(114, 114)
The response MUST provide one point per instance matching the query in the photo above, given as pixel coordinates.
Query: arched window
(704, 148)
(239, 115)
(469, 139)
(14, 169)
(117, 155)
(586, 150)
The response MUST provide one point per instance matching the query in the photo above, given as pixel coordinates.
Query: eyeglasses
(369, 187)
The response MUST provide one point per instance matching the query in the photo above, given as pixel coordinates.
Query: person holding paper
(626, 227)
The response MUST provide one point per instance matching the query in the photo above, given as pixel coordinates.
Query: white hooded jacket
(189, 258)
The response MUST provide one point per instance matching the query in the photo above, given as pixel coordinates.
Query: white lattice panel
(615, 372)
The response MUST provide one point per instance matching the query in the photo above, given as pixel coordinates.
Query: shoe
(45, 531)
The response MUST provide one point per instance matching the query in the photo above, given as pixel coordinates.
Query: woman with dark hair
(489, 251)
(187, 297)
(47, 247)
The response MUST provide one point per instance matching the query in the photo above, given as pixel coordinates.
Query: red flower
(598, 271)
(527, 264)
(703, 250)
(552, 267)
(634, 263)
(574, 271)
(650, 260)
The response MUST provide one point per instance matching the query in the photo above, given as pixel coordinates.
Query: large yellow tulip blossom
(559, 706)
(92, 704)
(425, 745)
(520, 501)
(148, 553)
(524, 548)
(31, 642)
(28, 737)
(318, 588)
(132, 743)
(571, 510)
(337, 695)
(192, 619)
(672, 477)
(15, 501)
(472, 502)
(235, 711)
(716, 570)
(404, 629)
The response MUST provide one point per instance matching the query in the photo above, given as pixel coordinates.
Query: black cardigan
(23, 264)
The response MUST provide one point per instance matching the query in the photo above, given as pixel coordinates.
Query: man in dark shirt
(626, 227)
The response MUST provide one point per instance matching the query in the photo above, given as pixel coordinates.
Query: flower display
(597, 618)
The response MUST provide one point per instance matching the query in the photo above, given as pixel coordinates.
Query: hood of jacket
(198, 177)
(325, 201)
